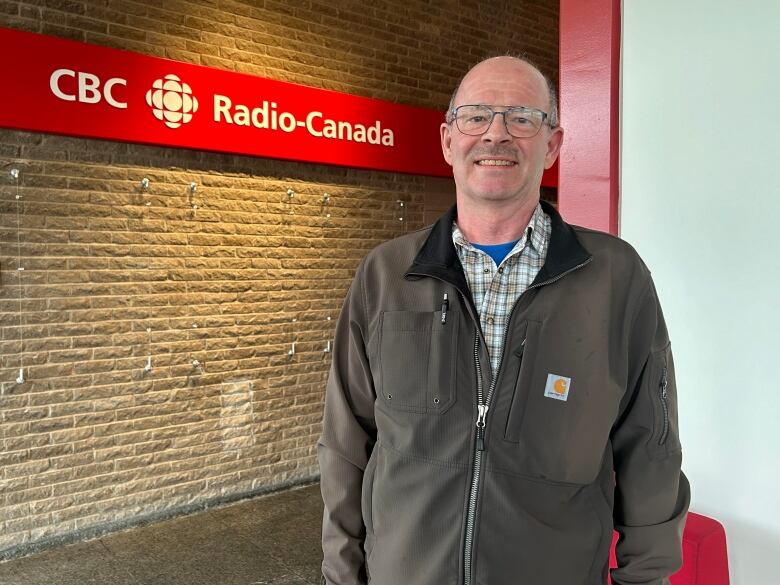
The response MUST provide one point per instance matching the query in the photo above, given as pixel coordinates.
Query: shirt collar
(533, 233)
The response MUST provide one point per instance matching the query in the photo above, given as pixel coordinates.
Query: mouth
(495, 162)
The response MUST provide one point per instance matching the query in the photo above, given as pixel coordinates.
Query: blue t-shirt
(497, 251)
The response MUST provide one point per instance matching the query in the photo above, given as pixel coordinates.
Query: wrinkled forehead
(503, 81)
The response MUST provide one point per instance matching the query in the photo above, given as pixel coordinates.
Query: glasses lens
(523, 122)
(473, 120)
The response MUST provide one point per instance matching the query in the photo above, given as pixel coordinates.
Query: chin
(495, 195)
(497, 190)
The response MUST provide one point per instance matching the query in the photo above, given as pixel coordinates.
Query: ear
(446, 139)
(554, 143)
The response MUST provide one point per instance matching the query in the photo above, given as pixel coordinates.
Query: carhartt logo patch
(557, 387)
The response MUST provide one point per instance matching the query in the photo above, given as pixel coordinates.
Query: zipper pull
(664, 384)
(445, 304)
(483, 408)
(664, 406)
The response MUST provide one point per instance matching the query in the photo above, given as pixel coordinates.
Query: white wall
(700, 200)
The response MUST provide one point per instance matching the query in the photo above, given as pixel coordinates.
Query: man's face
(496, 166)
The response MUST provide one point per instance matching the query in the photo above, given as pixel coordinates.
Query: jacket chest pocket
(417, 361)
(560, 415)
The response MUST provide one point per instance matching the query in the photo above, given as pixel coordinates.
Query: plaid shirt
(496, 288)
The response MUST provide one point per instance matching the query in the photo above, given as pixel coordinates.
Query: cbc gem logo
(172, 101)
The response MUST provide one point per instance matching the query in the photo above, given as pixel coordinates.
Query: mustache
(495, 151)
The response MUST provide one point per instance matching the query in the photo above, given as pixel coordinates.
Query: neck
(494, 222)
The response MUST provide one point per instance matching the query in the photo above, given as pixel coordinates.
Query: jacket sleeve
(652, 494)
(347, 440)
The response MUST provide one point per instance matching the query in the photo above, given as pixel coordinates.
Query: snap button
(436, 400)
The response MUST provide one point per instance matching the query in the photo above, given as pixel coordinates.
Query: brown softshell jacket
(410, 499)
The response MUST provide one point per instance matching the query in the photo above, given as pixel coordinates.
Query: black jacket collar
(439, 259)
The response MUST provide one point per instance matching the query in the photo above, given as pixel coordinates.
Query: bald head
(512, 70)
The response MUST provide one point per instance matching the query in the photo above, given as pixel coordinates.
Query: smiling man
(502, 391)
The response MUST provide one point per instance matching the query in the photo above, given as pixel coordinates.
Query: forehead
(503, 81)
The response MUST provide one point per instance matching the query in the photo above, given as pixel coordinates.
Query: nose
(497, 131)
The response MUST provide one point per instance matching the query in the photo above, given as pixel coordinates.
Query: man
(502, 391)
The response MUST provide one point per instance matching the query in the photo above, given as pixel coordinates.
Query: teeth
(495, 163)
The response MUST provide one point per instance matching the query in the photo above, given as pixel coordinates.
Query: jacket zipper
(470, 517)
(482, 409)
(664, 405)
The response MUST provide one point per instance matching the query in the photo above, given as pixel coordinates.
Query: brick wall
(115, 274)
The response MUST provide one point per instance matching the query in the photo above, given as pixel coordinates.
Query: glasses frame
(454, 118)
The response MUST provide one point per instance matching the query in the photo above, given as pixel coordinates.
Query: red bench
(704, 553)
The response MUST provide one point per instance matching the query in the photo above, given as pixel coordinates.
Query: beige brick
(25, 469)
(23, 414)
(41, 484)
(47, 425)
(25, 442)
(51, 451)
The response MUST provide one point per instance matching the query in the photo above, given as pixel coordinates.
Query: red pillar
(590, 100)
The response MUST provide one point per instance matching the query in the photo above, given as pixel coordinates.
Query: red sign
(65, 87)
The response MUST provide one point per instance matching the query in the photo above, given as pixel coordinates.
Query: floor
(269, 540)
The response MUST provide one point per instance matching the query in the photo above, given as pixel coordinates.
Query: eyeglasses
(519, 121)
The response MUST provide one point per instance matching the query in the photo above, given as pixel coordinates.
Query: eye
(474, 116)
(519, 118)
